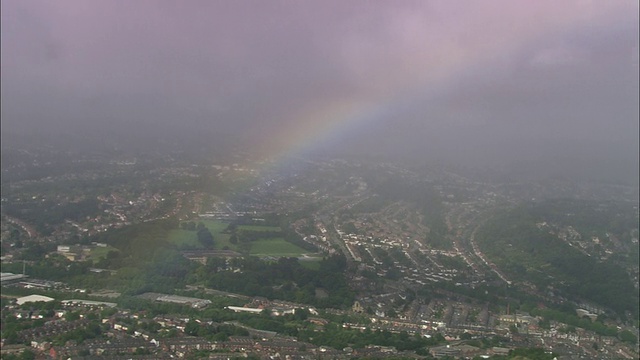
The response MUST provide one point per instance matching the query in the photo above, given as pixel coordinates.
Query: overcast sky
(458, 79)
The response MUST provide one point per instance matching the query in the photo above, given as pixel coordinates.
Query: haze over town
(539, 88)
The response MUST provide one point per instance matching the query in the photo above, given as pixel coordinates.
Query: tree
(142, 351)
(233, 239)
(231, 228)
(72, 315)
(28, 355)
(628, 336)
(301, 314)
(192, 328)
(205, 237)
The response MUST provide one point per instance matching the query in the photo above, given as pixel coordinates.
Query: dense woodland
(528, 253)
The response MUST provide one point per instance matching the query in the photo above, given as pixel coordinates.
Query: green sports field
(275, 247)
(264, 247)
(259, 228)
(99, 252)
(181, 237)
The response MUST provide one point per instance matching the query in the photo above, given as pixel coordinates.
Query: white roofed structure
(33, 298)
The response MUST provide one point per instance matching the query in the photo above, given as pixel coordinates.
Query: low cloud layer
(467, 82)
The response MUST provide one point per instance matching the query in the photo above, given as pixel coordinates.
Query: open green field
(275, 247)
(215, 226)
(98, 252)
(188, 238)
(263, 247)
(184, 237)
(259, 228)
(311, 263)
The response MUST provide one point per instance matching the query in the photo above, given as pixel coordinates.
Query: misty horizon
(547, 89)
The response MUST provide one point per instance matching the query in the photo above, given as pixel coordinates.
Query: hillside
(557, 246)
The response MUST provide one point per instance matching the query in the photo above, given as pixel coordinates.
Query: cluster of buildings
(78, 252)
(258, 305)
(195, 303)
(123, 335)
(416, 269)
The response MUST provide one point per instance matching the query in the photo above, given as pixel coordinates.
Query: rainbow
(421, 76)
(322, 126)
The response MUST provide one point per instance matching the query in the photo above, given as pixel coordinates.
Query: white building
(33, 298)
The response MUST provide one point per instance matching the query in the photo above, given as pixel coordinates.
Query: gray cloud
(467, 77)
